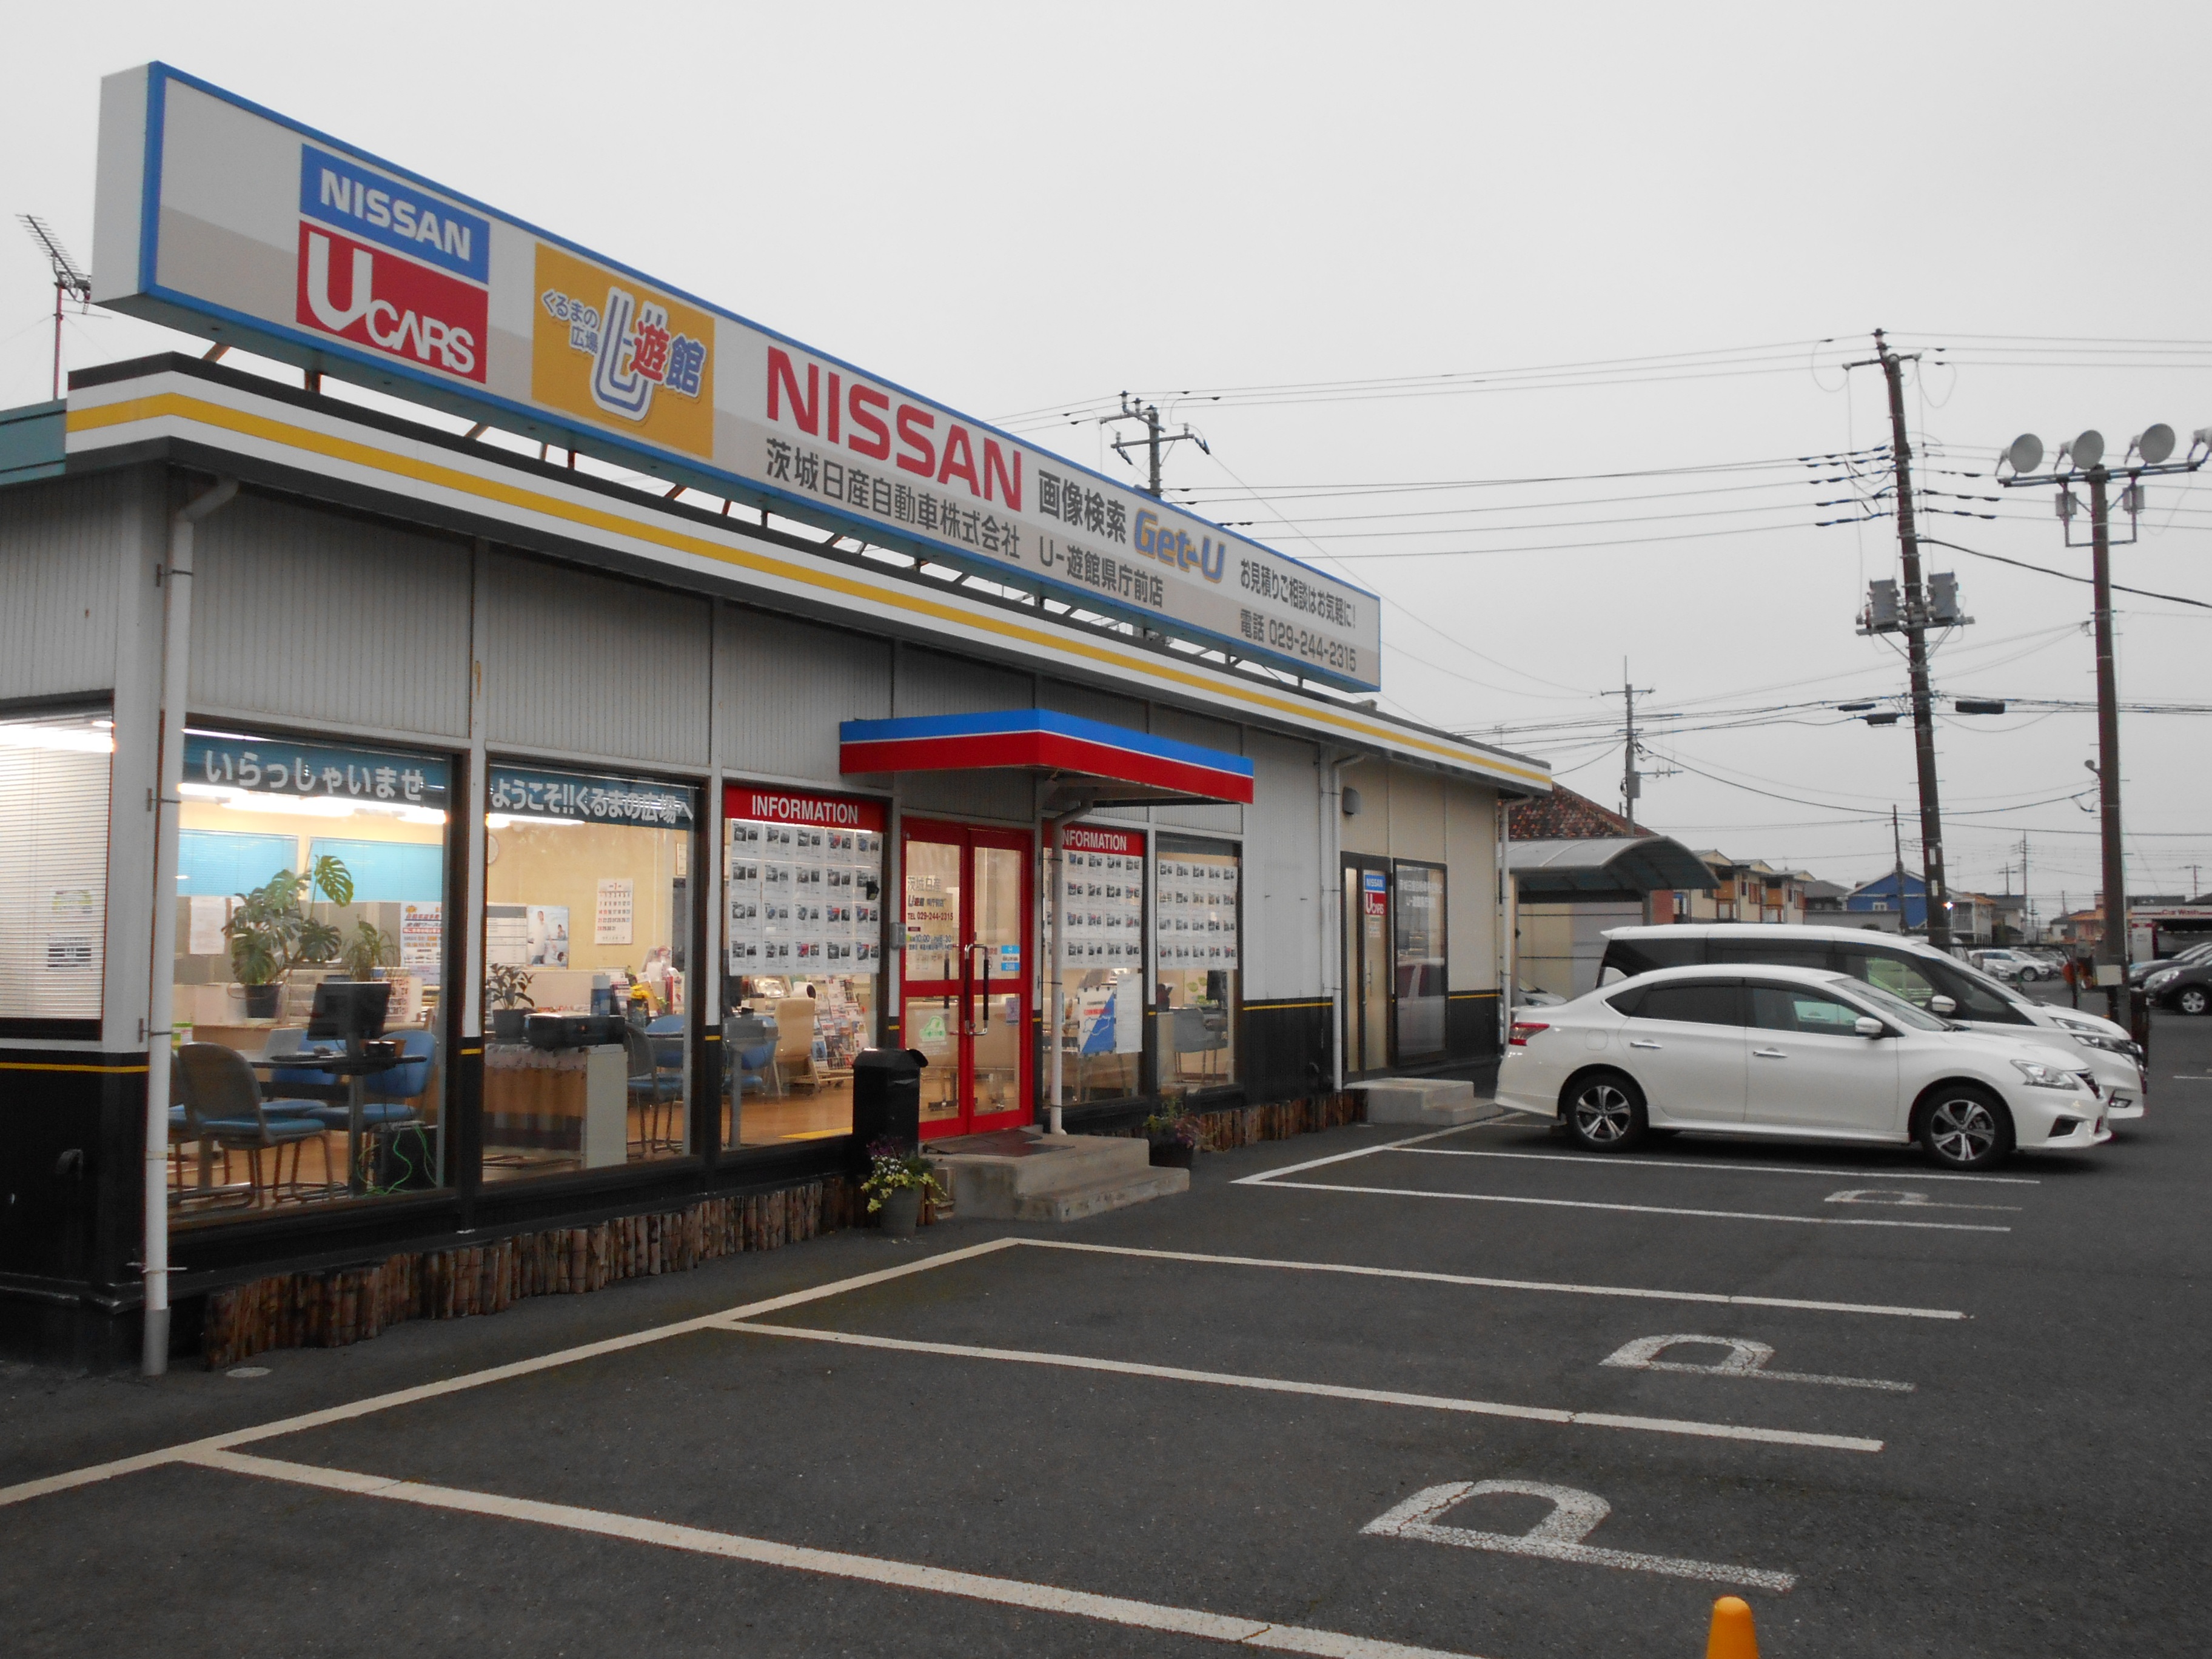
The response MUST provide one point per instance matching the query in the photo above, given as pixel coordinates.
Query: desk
(355, 1068)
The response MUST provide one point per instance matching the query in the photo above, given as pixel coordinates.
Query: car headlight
(2040, 1076)
(2110, 1045)
(2162, 979)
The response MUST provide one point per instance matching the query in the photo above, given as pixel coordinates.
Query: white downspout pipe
(1331, 772)
(161, 1003)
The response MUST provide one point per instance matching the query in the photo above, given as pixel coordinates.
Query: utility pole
(2084, 458)
(1631, 780)
(1152, 441)
(1916, 646)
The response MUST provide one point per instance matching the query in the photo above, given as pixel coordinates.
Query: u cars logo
(388, 267)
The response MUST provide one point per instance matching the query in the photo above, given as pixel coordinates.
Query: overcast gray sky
(1022, 210)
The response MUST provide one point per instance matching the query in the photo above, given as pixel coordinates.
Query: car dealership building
(578, 647)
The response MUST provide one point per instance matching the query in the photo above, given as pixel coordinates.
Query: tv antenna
(68, 280)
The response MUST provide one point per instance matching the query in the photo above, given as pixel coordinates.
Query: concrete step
(1003, 1177)
(1430, 1101)
(1097, 1197)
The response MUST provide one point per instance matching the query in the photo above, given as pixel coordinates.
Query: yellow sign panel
(624, 355)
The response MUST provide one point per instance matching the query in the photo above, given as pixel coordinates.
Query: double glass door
(965, 928)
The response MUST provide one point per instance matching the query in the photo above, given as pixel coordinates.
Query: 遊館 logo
(634, 349)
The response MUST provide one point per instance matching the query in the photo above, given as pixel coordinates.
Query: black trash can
(887, 1097)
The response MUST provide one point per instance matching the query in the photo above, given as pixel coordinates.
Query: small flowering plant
(1172, 1127)
(895, 1168)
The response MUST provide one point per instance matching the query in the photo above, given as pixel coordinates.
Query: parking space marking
(1746, 1358)
(1906, 1200)
(835, 1564)
(1631, 1209)
(1477, 1283)
(1613, 1161)
(1345, 1157)
(1557, 1537)
(1322, 1390)
(24, 1491)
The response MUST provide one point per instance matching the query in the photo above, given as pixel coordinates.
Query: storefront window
(1196, 943)
(311, 894)
(1418, 954)
(803, 890)
(1101, 970)
(588, 915)
(53, 872)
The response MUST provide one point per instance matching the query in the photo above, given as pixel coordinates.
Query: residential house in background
(1748, 889)
(1579, 869)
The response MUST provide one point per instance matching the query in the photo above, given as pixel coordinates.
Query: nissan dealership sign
(221, 218)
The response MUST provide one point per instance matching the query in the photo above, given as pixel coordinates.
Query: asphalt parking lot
(1477, 1394)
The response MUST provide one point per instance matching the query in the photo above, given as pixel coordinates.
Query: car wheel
(2193, 999)
(1605, 1113)
(1965, 1127)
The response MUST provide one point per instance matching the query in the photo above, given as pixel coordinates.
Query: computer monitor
(350, 1009)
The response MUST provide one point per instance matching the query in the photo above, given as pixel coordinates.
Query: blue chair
(389, 1099)
(656, 1079)
(222, 1104)
(749, 1055)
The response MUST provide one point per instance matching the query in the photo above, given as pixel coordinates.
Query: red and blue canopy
(1043, 739)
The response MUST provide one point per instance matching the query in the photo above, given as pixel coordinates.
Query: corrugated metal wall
(1470, 893)
(930, 682)
(64, 547)
(1282, 873)
(1417, 814)
(305, 613)
(592, 667)
(1080, 699)
(1368, 830)
(784, 686)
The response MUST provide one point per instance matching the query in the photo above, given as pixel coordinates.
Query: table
(354, 1068)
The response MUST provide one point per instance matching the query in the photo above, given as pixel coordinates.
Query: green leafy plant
(271, 932)
(366, 949)
(893, 1168)
(508, 986)
(1171, 1126)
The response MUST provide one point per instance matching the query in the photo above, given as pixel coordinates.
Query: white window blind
(53, 866)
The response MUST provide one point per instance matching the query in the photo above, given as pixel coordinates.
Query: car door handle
(1640, 1043)
(1768, 1054)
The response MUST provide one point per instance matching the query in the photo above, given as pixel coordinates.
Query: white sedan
(1791, 1052)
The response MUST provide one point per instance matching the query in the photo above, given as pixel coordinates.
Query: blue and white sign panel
(219, 216)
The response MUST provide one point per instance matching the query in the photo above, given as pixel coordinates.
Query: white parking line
(835, 1564)
(1631, 1209)
(1324, 1390)
(1746, 1359)
(29, 1489)
(1613, 1162)
(1557, 1537)
(1344, 1157)
(1479, 1283)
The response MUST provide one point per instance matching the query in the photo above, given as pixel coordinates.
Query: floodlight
(2026, 453)
(2155, 444)
(2088, 449)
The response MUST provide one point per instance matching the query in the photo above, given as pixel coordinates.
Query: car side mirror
(1867, 1026)
(1942, 1006)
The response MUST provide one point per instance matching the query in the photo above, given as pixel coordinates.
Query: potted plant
(508, 987)
(366, 949)
(271, 930)
(1173, 1135)
(897, 1179)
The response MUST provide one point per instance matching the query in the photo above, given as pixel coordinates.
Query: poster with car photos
(804, 875)
(1101, 892)
(1196, 921)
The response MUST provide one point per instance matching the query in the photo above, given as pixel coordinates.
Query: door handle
(1768, 1054)
(1640, 1043)
(985, 976)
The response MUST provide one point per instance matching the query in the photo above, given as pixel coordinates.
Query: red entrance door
(965, 926)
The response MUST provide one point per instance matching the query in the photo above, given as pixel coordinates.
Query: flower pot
(507, 1023)
(901, 1211)
(261, 1000)
(1172, 1155)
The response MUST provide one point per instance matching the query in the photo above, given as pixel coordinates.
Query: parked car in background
(2007, 964)
(1794, 1052)
(1927, 978)
(2139, 973)
(2184, 986)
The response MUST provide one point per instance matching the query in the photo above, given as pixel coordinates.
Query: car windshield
(1895, 1006)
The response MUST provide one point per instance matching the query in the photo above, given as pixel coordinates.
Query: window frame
(74, 1027)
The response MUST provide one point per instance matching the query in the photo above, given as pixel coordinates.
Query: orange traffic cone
(1732, 1636)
